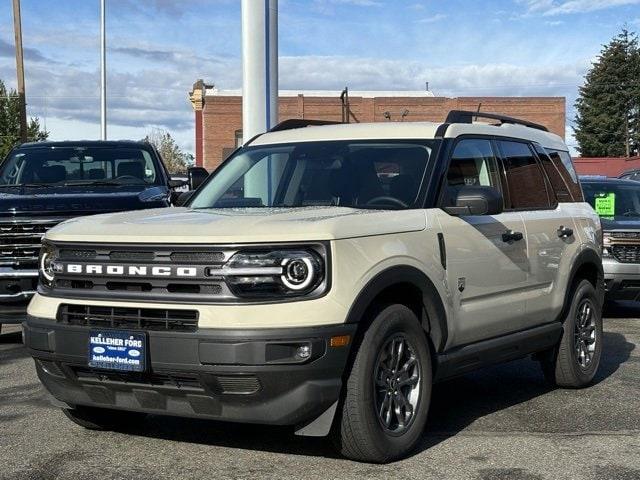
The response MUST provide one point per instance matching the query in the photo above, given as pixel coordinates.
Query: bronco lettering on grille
(131, 270)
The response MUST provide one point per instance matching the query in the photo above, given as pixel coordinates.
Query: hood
(66, 201)
(245, 225)
(620, 223)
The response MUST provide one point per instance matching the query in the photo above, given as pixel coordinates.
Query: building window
(238, 138)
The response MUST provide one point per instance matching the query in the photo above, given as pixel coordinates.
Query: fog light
(303, 351)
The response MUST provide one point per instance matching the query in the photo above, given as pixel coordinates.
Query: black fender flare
(585, 257)
(434, 318)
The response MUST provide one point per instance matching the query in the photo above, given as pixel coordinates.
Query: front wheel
(93, 418)
(575, 360)
(388, 390)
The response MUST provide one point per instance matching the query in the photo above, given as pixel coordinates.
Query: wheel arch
(412, 287)
(587, 266)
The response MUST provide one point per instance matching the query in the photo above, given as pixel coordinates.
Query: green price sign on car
(605, 204)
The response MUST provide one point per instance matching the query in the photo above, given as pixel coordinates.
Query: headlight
(46, 265)
(606, 245)
(288, 273)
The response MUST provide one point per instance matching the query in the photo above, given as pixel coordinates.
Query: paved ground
(502, 423)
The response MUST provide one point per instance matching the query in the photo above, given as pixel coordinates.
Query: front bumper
(622, 280)
(234, 375)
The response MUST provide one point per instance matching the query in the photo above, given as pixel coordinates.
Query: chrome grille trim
(20, 239)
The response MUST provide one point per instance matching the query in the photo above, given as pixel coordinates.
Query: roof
(213, 91)
(84, 143)
(405, 130)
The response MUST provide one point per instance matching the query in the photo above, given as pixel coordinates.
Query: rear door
(486, 272)
(548, 226)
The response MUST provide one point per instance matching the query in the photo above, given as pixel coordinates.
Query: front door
(486, 265)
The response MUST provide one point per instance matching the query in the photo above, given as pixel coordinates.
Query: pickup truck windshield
(68, 166)
(611, 200)
(359, 174)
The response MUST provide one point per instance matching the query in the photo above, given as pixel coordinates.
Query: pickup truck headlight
(46, 265)
(606, 245)
(275, 273)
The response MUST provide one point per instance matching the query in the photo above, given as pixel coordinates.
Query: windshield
(379, 174)
(48, 166)
(611, 199)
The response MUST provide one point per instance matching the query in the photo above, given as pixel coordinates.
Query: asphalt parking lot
(501, 423)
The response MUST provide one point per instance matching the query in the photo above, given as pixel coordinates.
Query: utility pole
(103, 73)
(17, 27)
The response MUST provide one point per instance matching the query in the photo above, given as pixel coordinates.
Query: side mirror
(474, 201)
(182, 198)
(197, 176)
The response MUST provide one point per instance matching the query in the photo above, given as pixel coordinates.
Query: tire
(93, 418)
(573, 363)
(360, 433)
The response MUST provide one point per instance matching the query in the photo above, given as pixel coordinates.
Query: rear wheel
(388, 390)
(93, 418)
(575, 360)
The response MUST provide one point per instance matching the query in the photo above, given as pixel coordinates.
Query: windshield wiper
(32, 185)
(98, 183)
(631, 213)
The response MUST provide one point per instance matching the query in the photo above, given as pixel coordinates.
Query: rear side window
(562, 162)
(525, 180)
(560, 188)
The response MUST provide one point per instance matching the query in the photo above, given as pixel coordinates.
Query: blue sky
(158, 48)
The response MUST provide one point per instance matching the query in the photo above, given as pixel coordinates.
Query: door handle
(565, 232)
(512, 236)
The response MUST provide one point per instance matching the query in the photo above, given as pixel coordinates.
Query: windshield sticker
(605, 204)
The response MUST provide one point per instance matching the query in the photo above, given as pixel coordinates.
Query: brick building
(218, 113)
(608, 166)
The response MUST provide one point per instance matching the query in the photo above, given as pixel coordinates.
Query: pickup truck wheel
(93, 418)
(388, 390)
(575, 360)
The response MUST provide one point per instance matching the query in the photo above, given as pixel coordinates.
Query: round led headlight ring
(298, 273)
(46, 265)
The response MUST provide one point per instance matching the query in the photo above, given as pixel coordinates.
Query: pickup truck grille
(626, 253)
(129, 318)
(20, 241)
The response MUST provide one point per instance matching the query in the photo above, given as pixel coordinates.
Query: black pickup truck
(44, 183)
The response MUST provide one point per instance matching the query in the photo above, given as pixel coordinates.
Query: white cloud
(334, 72)
(433, 19)
(560, 7)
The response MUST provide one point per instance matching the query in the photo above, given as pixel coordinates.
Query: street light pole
(103, 73)
(17, 27)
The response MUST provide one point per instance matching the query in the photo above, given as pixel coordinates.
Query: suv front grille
(129, 318)
(201, 288)
(626, 253)
(20, 241)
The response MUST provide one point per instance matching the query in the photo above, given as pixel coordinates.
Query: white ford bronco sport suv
(324, 277)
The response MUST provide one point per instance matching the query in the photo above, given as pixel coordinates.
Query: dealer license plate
(117, 350)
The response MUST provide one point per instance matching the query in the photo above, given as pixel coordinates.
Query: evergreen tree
(608, 118)
(10, 122)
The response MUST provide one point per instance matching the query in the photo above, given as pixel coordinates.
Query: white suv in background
(324, 277)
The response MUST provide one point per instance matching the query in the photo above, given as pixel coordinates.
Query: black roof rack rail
(463, 116)
(301, 123)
